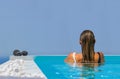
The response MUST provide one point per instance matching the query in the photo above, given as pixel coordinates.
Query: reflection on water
(88, 70)
(55, 68)
(79, 71)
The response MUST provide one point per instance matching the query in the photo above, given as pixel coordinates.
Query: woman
(88, 55)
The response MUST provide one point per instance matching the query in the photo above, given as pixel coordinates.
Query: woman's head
(87, 41)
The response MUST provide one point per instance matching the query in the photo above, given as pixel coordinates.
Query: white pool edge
(29, 61)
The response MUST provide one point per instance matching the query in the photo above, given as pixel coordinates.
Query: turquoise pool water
(54, 67)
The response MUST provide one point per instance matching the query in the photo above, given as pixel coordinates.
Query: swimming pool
(55, 68)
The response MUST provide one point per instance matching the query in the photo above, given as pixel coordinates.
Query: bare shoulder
(79, 57)
(101, 53)
(69, 58)
(101, 56)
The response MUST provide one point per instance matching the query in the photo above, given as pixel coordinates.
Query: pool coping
(29, 65)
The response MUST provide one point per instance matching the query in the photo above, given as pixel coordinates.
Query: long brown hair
(87, 41)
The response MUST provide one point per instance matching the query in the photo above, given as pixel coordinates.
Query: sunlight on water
(61, 70)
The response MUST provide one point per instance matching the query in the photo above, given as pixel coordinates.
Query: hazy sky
(53, 27)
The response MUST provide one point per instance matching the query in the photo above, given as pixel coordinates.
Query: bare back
(98, 58)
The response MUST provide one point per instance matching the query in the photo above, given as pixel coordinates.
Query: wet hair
(87, 41)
